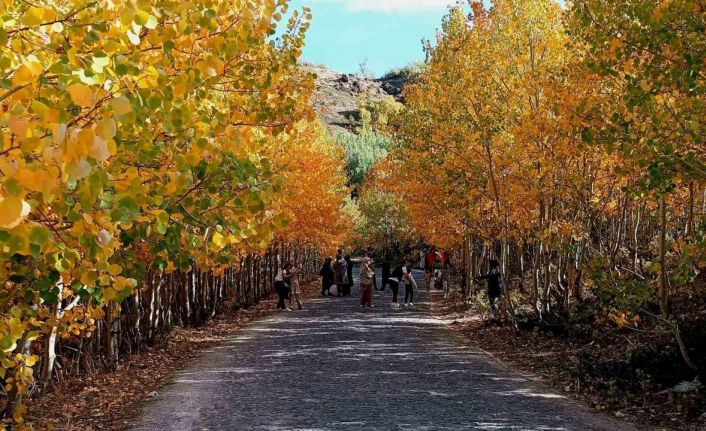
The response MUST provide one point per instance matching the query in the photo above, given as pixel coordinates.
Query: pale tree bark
(664, 287)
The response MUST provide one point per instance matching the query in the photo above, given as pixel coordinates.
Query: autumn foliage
(568, 144)
(315, 192)
(143, 139)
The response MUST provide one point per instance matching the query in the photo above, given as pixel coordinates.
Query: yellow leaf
(78, 170)
(179, 90)
(32, 17)
(109, 294)
(106, 128)
(99, 150)
(104, 238)
(36, 180)
(82, 95)
(58, 133)
(170, 268)
(219, 240)
(89, 278)
(13, 211)
(19, 125)
(115, 269)
(85, 140)
(121, 105)
(27, 73)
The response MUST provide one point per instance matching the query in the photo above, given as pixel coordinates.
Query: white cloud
(391, 6)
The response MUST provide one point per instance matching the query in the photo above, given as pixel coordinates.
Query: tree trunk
(690, 213)
(50, 342)
(663, 287)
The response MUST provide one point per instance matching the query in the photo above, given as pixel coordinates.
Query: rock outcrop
(338, 96)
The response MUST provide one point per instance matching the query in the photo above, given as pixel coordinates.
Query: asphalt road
(334, 366)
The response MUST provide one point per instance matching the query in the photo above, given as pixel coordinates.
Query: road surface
(334, 366)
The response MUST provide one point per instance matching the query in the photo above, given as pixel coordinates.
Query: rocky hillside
(338, 95)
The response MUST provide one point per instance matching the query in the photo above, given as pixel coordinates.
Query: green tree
(362, 152)
(384, 223)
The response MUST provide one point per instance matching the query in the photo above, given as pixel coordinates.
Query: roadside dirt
(102, 401)
(591, 368)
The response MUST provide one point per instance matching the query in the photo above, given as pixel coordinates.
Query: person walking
(349, 275)
(495, 283)
(281, 286)
(366, 282)
(326, 274)
(429, 261)
(295, 295)
(340, 273)
(409, 284)
(394, 282)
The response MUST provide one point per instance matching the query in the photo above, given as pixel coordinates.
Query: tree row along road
(334, 366)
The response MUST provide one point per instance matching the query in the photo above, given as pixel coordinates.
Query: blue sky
(386, 32)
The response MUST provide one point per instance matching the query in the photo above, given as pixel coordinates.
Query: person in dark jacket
(349, 268)
(340, 269)
(394, 282)
(495, 283)
(282, 286)
(327, 275)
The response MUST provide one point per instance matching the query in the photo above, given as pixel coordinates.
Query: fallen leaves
(561, 360)
(79, 404)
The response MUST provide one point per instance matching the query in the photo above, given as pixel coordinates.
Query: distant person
(295, 289)
(394, 282)
(429, 261)
(281, 286)
(327, 276)
(366, 281)
(444, 257)
(409, 284)
(349, 275)
(495, 283)
(371, 255)
(340, 269)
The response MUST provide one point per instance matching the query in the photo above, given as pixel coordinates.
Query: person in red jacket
(444, 259)
(429, 266)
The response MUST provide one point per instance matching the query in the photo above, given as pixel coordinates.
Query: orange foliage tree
(139, 167)
(315, 196)
(555, 141)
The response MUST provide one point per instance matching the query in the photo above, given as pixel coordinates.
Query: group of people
(337, 273)
(337, 277)
(394, 278)
(287, 287)
(435, 262)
